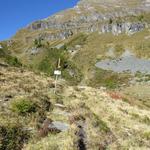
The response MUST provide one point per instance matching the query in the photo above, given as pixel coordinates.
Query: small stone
(58, 126)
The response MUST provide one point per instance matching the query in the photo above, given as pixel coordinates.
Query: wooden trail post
(57, 73)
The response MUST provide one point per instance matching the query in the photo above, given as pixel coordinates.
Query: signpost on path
(57, 73)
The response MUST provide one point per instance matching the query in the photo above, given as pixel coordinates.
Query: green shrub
(49, 62)
(110, 21)
(2, 53)
(38, 42)
(5, 54)
(23, 106)
(13, 61)
(146, 120)
(72, 74)
(4, 50)
(45, 66)
(12, 136)
(140, 17)
(146, 135)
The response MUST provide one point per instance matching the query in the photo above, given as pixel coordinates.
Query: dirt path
(81, 138)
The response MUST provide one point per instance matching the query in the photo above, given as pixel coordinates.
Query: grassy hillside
(80, 53)
(96, 47)
(7, 57)
(90, 108)
(97, 118)
(108, 119)
(24, 100)
(108, 123)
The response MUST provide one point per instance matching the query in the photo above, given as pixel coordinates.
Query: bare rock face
(94, 16)
(128, 28)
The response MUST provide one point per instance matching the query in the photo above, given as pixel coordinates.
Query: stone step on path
(59, 105)
(50, 126)
(61, 126)
(81, 133)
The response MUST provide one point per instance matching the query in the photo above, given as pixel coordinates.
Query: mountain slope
(96, 116)
(91, 108)
(91, 16)
(98, 16)
(108, 123)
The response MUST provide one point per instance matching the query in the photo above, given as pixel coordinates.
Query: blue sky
(15, 14)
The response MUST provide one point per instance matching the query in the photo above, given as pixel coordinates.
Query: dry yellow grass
(129, 131)
(18, 81)
(108, 122)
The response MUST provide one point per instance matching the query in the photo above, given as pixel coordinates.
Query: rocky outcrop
(118, 28)
(58, 35)
(94, 16)
(114, 28)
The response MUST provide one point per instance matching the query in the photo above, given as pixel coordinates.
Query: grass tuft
(23, 106)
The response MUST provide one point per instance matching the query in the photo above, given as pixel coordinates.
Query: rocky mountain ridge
(96, 16)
